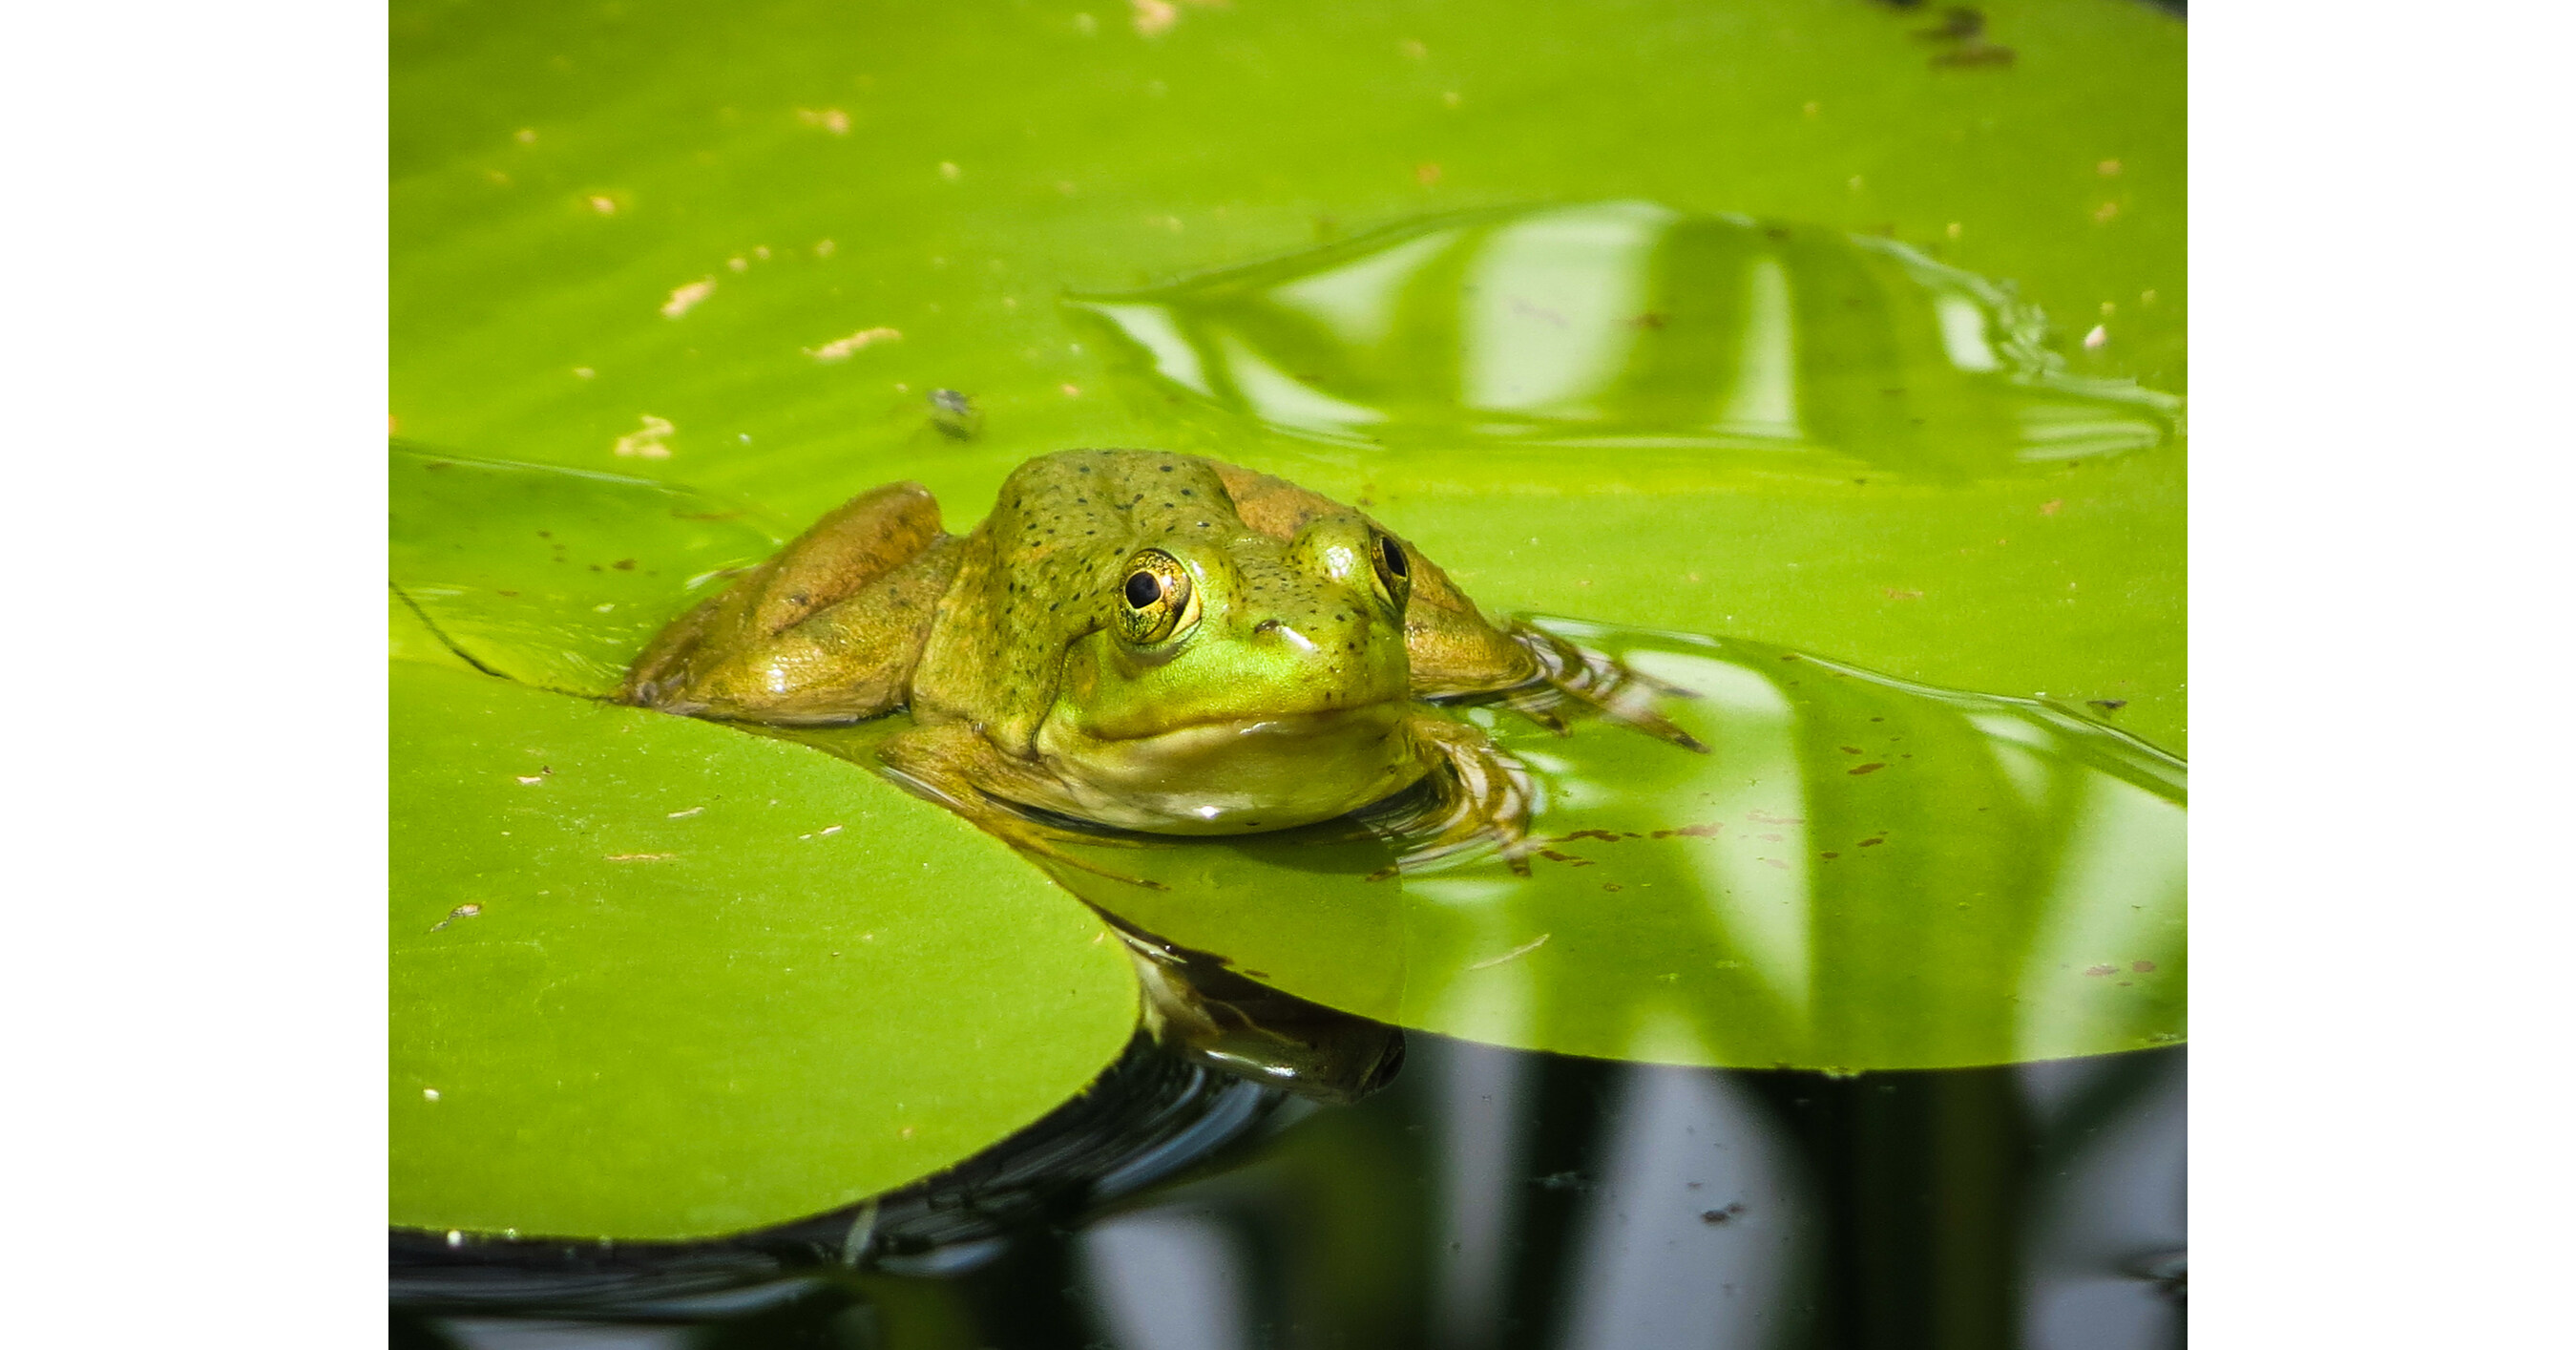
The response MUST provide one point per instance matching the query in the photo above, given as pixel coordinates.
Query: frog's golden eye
(1392, 570)
(1156, 600)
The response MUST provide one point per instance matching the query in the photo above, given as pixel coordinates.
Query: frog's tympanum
(1148, 641)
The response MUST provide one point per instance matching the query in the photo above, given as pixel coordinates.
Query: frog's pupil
(1394, 556)
(1143, 589)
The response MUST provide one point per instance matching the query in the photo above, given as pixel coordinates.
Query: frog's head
(1244, 683)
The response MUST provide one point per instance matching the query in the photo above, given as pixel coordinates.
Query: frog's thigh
(851, 660)
(705, 661)
(868, 537)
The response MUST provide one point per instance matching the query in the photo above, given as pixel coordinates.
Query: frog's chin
(1244, 775)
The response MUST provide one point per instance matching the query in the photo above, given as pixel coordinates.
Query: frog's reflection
(1632, 324)
(1200, 1009)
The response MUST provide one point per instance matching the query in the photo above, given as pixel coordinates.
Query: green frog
(1148, 641)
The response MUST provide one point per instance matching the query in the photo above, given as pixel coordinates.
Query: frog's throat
(1245, 775)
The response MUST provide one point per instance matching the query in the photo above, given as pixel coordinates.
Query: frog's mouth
(1243, 774)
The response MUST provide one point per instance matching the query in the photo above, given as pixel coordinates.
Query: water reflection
(1630, 324)
(1498, 1200)
(1198, 1007)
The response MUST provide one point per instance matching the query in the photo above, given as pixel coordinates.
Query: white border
(192, 967)
(2379, 503)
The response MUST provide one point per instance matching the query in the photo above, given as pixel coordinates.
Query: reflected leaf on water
(1864, 874)
(1630, 324)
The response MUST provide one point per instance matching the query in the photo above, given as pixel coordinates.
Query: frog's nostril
(1290, 635)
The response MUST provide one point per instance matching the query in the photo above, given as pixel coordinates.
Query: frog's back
(1042, 570)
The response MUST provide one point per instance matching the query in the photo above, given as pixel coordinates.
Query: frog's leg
(1488, 798)
(828, 630)
(956, 766)
(1456, 653)
(1571, 673)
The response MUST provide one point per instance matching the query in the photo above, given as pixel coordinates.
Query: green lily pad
(1863, 874)
(654, 978)
(550, 577)
(1631, 326)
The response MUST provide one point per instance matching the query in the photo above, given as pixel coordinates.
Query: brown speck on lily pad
(1870, 767)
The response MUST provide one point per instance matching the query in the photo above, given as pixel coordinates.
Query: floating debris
(686, 297)
(839, 349)
(646, 441)
(955, 415)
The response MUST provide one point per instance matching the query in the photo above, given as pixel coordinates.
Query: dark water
(1486, 1198)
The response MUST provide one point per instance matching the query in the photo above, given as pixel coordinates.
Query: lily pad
(1631, 326)
(653, 978)
(1863, 874)
(550, 577)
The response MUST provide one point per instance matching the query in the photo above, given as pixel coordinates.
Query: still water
(1486, 1197)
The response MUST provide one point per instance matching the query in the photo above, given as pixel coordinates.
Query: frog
(1138, 642)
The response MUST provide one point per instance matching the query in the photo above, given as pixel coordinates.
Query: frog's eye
(1156, 600)
(1392, 571)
